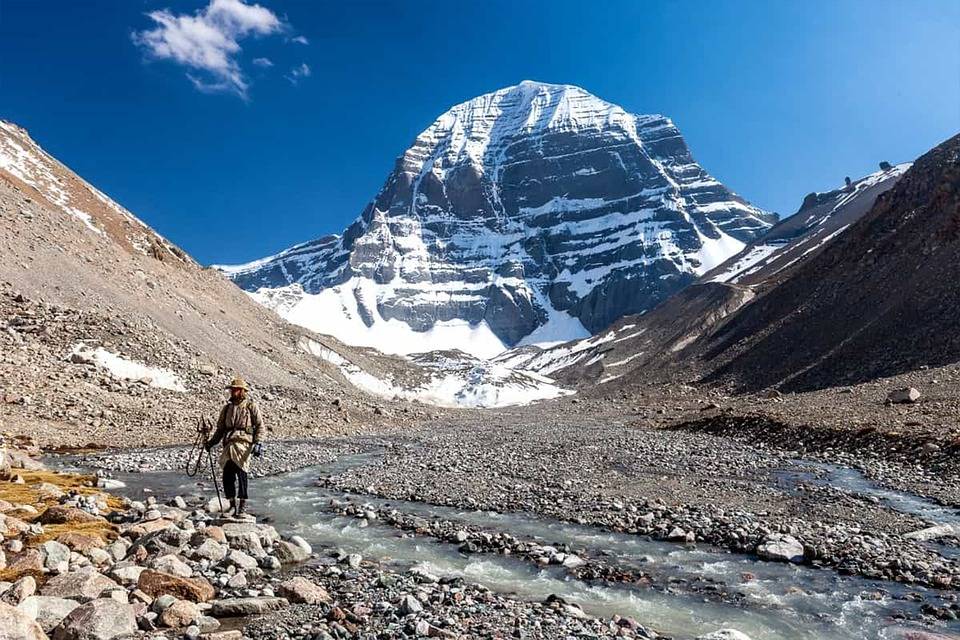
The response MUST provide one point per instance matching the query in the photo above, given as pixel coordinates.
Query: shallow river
(781, 601)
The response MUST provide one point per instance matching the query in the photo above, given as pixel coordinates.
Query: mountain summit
(532, 214)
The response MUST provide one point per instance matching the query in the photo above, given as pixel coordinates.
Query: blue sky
(233, 159)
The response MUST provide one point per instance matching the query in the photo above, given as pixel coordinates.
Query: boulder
(906, 395)
(299, 590)
(155, 583)
(409, 604)
(249, 543)
(173, 565)
(127, 575)
(56, 556)
(267, 534)
(780, 547)
(934, 532)
(48, 611)
(80, 542)
(234, 607)
(180, 614)
(303, 544)
(20, 591)
(103, 619)
(48, 490)
(232, 634)
(82, 585)
(289, 553)
(241, 560)
(18, 625)
(211, 550)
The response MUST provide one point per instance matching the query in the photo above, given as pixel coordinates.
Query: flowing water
(779, 601)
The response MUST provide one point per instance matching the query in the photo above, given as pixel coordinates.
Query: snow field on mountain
(453, 382)
(335, 312)
(126, 369)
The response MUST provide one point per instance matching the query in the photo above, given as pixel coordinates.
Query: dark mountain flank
(882, 299)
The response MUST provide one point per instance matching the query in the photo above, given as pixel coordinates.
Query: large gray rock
(103, 619)
(173, 565)
(781, 547)
(18, 625)
(233, 607)
(20, 591)
(181, 613)
(519, 204)
(81, 585)
(56, 556)
(238, 530)
(289, 553)
(48, 610)
(211, 550)
(934, 532)
(300, 590)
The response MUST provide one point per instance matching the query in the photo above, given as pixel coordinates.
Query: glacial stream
(778, 602)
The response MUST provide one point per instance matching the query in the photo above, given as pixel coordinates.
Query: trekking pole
(199, 447)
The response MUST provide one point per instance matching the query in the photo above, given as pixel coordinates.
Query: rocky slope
(112, 335)
(534, 213)
(879, 301)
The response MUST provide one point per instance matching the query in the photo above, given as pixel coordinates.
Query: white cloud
(263, 62)
(300, 40)
(208, 41)
(297, 73)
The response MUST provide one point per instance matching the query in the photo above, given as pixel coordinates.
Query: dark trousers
(234, 481)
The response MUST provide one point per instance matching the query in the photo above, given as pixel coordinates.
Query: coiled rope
(195, 456)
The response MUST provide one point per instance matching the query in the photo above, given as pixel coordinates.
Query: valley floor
(752, 490)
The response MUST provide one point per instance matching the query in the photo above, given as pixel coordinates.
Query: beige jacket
(239, 427)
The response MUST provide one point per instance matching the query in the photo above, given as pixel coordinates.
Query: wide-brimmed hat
(238, 383)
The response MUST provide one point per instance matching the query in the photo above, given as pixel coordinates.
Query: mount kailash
(534, 214)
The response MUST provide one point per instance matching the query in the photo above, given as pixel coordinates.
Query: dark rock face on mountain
(537, 210)
(880, 300)
(671, 339)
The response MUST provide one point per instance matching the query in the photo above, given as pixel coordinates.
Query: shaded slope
(880, 300)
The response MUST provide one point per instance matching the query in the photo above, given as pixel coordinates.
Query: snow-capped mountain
(536, 213)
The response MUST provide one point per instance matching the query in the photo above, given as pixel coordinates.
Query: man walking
(239, 427)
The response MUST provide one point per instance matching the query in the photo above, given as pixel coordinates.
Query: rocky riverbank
(81, 564)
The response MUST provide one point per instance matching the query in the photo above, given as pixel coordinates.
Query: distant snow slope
(538, 213)
(453, 379)
(823, 217)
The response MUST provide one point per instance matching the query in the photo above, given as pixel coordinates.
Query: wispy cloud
(298, 73)
(263, 62)
(300, 40)
(208, 41)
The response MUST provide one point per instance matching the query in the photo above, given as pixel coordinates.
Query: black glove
(257, 450)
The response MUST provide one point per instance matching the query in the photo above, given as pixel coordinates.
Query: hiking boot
(241, 507)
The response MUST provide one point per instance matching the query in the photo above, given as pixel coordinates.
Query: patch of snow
(126, 369)
(452, 383)
(337, 312)
(755, 255)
